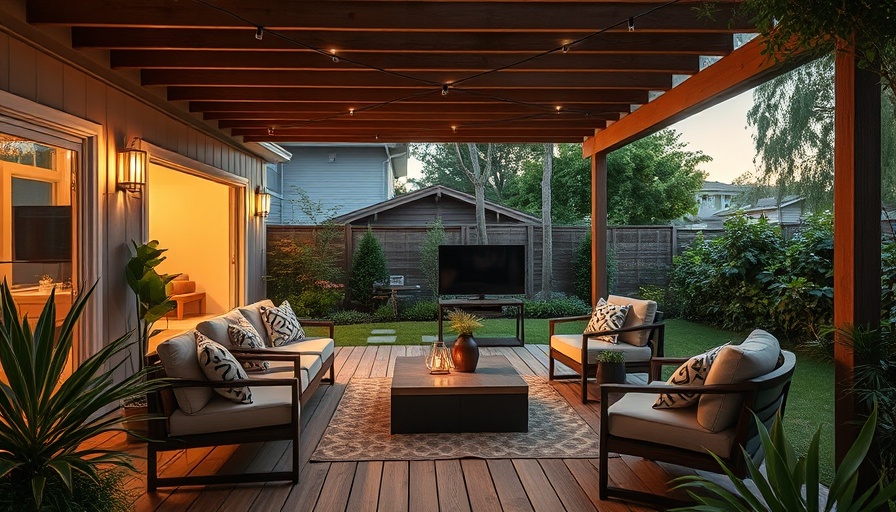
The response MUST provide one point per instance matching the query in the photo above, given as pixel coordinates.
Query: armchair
(633, 426)
(641, 338)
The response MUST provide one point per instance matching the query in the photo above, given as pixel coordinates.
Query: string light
(454, 129)
(566, 48)
(335, 58)
(351, 112)
(631, 24)
(259, 32)
(270, 130)
(444, 89)
(559, 108)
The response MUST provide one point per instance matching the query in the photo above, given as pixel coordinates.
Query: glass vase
(439, 361)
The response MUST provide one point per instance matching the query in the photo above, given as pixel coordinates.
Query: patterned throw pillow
(606, 317)
(218, 364)
(692, 373)
(242, 334)
(282, 325)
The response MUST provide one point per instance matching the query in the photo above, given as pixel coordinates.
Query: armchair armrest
(554, 321)
(657, 363)
(642, 327)
(319, 323)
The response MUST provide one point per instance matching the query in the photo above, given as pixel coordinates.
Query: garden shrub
(350, 316)
(384, 313)
(368, 267)
(558, 305)
(429, 256)
(419, 311)
(305, 272)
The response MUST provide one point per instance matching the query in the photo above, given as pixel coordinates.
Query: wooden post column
(599, 282)
(857, 175)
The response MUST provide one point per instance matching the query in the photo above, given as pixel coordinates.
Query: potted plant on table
(465, 352)
(610, 367)
(152, 303)
(48, 416)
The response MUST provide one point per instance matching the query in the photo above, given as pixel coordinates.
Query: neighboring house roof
(438, 191)
(719, 187)
(762, 205)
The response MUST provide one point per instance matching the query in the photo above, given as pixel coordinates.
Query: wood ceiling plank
(373, 95)
(389, 16)
(418, 42)
(263, 110)
(545, 120)
(506, 129)
(419, 138)
(468, 62)
(233, 119)
(499, 80)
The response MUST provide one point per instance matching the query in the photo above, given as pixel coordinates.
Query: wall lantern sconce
(132, 169)
(262, 203)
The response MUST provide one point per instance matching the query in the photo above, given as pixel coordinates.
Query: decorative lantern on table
(439, 360)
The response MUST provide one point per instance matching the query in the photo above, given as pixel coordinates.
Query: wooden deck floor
(450, 485)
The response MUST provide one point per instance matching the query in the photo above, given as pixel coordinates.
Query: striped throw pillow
(242, 334)
(282, 325)
(218, 364)
(606, 317)
(692, 372)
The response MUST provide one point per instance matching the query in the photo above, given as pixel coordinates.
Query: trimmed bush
(368, 267)
(419, 311)
(384, 313)
(350, 316)
(557, 306)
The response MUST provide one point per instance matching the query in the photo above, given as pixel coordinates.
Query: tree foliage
(368, 267)
(442, 167)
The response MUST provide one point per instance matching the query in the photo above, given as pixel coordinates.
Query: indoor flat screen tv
(482, 269)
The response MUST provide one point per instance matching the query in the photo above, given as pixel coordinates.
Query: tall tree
(478, 177)
(547, 235)
(442, 167)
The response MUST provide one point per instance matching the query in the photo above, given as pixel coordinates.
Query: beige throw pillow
(640, 312)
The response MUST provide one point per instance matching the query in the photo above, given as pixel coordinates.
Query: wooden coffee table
(492, 399)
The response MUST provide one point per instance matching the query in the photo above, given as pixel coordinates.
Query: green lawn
(809, 405)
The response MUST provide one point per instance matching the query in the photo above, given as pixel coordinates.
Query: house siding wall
(29, 73)
(356, 178)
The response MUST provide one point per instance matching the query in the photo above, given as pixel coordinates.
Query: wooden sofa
(192, 415)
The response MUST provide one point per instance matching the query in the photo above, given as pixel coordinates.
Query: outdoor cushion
(692, 372)
(271, 406)
(319, 346)
(607, 317)
(216, 328)
(282, 325)
(244, 335)
(253, 315)
(633, 417)
(570, 345)
(178, 357)
(756, 356)
(641, 312)
(218, 364)
(310, 366)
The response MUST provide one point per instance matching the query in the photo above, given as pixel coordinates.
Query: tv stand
(481, 303)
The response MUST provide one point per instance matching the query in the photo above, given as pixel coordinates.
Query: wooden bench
(183, 299)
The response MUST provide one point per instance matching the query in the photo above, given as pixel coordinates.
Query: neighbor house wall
(33, 74)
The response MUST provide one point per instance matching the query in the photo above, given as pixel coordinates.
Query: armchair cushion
(692, 372)
(281, 323)
(607, 317)
(216, 328)
(310, 366)
(218, 364)
(757, 355)
(570, 345)
(242, 334)
(271, 406)
(322, 347)
(178, 357)
(252, 312)
(640, 312)
(633, 417)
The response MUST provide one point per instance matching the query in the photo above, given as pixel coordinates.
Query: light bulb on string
(631, 24)
(259, 32)
(351, 112)
(566, 48)
(444, 89)
(333, 53)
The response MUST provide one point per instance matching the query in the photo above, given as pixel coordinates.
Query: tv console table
(484, 304)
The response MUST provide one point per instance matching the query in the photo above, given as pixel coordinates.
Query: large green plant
(368, 267)
(150, 290)
(46, 417)
(429, 255)
(581, 264)
(791, 483)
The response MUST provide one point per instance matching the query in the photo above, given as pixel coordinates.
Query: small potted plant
(465, 352)
(45, 284)
(610, 367)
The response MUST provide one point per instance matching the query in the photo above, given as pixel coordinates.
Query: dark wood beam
(857, 195)
(387, 16)
(340, 123)
(420, 42)
(245, 119)
(417, 137)
(500, 80)
(745, 68)
(378, 95)
(459, 62)
(509, 129)
(240, 109)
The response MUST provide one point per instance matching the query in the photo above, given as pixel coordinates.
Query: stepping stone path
(381, 336)
(428, 340)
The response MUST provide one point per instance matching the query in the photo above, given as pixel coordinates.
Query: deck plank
(381, 363)
(424, 495)
(587, 477)
(538, 487)
(365, 492)
(566, 486)
(394, 487)
(452, 488)
(336, 488)
(480, 487)
(508, 486)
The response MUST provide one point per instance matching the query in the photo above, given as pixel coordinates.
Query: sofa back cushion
(756, 356)
(216, 328)
(178, 356)
(642, 312)
(252, 313)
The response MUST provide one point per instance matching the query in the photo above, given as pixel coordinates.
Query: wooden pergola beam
(239, 109)
(745, 68)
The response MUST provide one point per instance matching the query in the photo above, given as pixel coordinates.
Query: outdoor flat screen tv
(42, 233)
(482, 269)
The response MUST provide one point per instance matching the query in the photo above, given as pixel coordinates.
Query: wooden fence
(643, 253)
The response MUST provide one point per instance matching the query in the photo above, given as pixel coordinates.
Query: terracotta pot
(610, 373)
(465, 353)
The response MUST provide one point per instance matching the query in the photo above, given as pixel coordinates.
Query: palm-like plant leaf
(48, 416)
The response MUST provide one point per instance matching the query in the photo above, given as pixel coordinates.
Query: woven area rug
(359, 431)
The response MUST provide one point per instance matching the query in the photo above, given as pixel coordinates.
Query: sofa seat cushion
(271, 406)
(311, 366)
(216, 328)
(322, 347)
(756, 356)
(252, 312)
(178, 356)
(641, 312)
(570, 345)
(633, 417)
